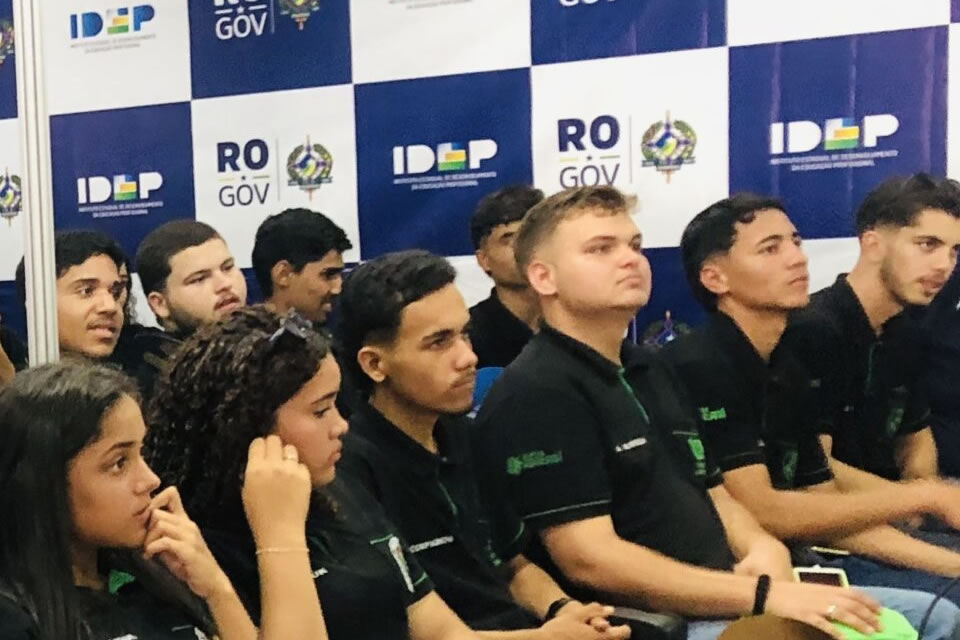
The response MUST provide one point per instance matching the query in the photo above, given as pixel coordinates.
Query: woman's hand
(276, 493)
(175, 540)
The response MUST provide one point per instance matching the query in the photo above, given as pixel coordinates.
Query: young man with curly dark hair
(89, 293)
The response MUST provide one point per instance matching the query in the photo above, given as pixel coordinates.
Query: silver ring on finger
(831, 610)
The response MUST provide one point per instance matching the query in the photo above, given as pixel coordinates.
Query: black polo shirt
(567, 435)
(143, 352)
(868, 392)
(364, 573)
(497, 335)
(434, 501)
(128, 611)
(941, 323)
(750, 412)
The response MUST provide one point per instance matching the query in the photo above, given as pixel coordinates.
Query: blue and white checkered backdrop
(395, 116)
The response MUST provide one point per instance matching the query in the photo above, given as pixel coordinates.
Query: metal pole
(37, 185)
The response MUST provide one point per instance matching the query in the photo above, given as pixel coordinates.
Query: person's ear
(280, 274)
(483, 260)
(714, 278)
(873, 245)
(542, 277)
(159, 305)
(372, 363)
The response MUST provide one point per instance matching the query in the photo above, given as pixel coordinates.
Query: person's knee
(944, 621)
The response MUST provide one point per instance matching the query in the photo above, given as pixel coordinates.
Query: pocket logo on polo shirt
(431, 544)
(199, 635)
(791, 458)
(630, 444)
(897, 411)
(397, 552)
(710, 415)
(699, 455)
(320, 572)
(532, 460)
(894, 420)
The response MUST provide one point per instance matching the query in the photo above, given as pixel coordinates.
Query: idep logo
(246, 18)
(801, 136)
(112, 22)
(10, 196)
(836, 134)
(123, 195)
(440, 167)
(6, 40)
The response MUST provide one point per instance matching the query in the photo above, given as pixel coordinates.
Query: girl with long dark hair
(88, 552)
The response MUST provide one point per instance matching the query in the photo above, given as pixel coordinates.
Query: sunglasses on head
(294, 324)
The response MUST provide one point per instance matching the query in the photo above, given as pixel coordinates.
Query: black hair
(713, 231)
(72, 248)
(49, 414)
(504, 206)
(374, 296)
(130, 308)
(219, 391)
(164, 242)
(299, 236)
(895, 202)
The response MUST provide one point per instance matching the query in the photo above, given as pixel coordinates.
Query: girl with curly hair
(252, 374)
(88, 552)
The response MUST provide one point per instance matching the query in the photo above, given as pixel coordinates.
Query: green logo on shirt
(531, 460)
(709, 415)
(492, 555)
(699, 455)
(117, 580)
(790, 459)
(894, 421)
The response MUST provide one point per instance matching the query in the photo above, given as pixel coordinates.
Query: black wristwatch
(555, 607)
(760, 598)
